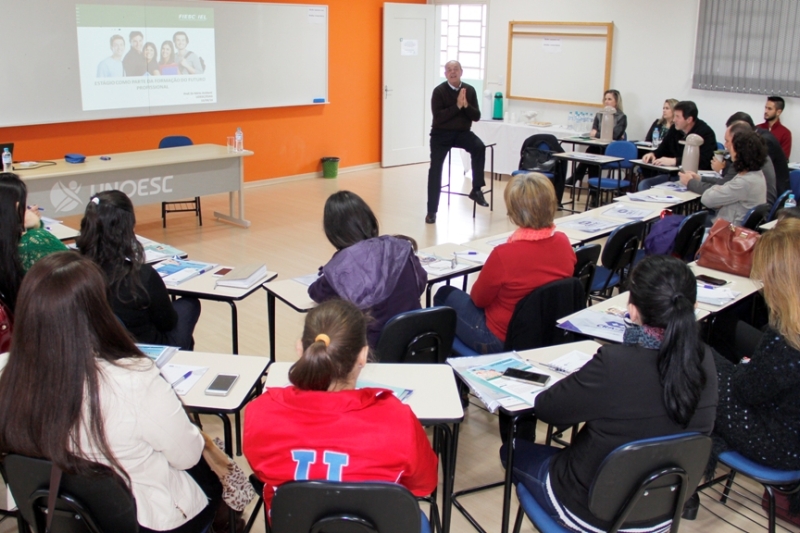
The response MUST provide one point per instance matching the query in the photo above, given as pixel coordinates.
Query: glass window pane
(444, 28)
(452, 52)
(472, 29)
(472, 74)
(469, 44)
(452, 14)
(469, 59)
(443, 43)
(444, 12)
(472, 12)
(443, 59)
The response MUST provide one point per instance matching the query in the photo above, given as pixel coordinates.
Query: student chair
(83, 504)
(778, 205)
(617, 259)
(536, 156)
(794, 182)
(419, 336)
(183, 206)
(365, 507)
(783, 481)
(585, 267)
(643, 481)
(690, 236)
(756, 217)
(610, 186)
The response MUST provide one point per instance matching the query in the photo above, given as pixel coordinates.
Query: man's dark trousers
(441, 142)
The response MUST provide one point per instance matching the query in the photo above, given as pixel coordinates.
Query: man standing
(189, 61)
(772, 112)
(134, 63)
(111, 67)
(684, 122)
(455, 108)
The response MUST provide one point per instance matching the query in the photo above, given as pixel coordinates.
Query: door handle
(386, 91)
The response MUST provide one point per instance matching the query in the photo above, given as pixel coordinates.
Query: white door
(409, 66)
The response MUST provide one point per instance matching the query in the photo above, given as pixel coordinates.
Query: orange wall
(286, 141)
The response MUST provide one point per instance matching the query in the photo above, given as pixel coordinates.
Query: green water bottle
(498, 106)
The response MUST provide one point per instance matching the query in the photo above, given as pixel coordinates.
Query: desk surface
(249, 367)
(435, 399)
(665, 168)
(768, 225)
(745, 286)
(584, 141)
(62, 232)
(204, 286)
(591, 159)
(129, 160)
(292, 293)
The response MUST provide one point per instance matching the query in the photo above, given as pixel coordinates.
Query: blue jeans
(531, 466)
(188, 310)
(471, 326)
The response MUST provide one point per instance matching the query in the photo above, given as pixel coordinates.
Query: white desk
(148, 176)
(745, 286)
(487, 244)
(664, 169)
(464, 267)
(768, 225)
(62, 232)
(250, 369)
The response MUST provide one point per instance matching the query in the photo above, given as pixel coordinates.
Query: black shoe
(690, 507)
(430, 218)
(477, 196)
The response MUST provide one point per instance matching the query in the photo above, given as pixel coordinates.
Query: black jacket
(671, 146)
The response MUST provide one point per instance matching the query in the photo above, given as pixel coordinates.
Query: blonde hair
(776, 262)
(617, 98)
(671, 103)
(531, 201)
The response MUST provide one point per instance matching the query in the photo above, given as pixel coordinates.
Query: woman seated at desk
(660, 381)
(368, 434)
(534, 255)
(136, 291)
(23, 238)
(661, 125)
(76, 391)
(611, 98)
(382, 276)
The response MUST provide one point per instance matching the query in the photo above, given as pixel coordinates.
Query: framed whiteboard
(559, 62)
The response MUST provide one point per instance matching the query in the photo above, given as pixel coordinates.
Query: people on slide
(150, 54)
(190, 63)
(23, 238)
(77, 391)
(136, 292)
(534, 255)
(321, 427)
(611, 98)
(167, 64)
(660, 381)
(134, 62)
(684, 122)
(772, 123)
(663, 124)
(112, 67)
(455, 107)
(381, 275)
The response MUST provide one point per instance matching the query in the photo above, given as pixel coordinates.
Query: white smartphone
(222, 384)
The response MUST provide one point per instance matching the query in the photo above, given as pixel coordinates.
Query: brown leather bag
(728, 248)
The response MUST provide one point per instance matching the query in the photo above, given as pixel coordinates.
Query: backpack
(537, 160)
(661, 239)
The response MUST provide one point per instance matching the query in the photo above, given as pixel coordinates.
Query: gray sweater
(734, 198)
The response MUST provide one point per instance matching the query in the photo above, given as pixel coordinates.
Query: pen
(467, 253)
(710, 287)
(37, 207)
(181, 379)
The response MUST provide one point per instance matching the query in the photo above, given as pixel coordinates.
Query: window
(464, 38)
(747, 46)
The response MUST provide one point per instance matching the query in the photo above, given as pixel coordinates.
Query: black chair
(332, 507)
(536, 156)
(182, 206)
(644, 481)
(617, 259)
(756, 217)
(84, 504)
(587, 256)
(690, 236)
(778, 205)
(420, 336)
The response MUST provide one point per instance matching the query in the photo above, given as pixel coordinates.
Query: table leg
(509, 471)
(226, 433)
(234, 327)
(428, 289)
(271, 325)
(448, 449)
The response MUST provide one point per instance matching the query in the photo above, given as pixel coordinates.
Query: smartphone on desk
(711, 281)
(532, 378)
(222, 384)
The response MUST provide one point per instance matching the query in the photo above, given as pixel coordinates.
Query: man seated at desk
(455, 108)
(684, 122)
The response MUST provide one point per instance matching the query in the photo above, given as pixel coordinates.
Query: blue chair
(720, 146)
(610, 185)
(778, 205)
(617, 259)
(784, 481)
(756, 216)
(794, 182)
(649, 183)
(183, 206)
(643, 481)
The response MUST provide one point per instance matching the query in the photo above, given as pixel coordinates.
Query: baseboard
(310, 175)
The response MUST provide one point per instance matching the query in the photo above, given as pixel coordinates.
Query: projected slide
(137, 56)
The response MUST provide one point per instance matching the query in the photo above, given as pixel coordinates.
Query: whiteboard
(551, 63)
(66, 68)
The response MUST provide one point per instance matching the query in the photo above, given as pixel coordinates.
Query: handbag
(5, 328)
(728, 248)
(237, 491)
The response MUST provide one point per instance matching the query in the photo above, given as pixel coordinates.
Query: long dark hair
(664, 290)
(13, 197)
(63, 325)
(323, 362)
(348, 220)
(107, 238)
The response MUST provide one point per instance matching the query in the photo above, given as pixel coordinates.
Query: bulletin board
(559, 62)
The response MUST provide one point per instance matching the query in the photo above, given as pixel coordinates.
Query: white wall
(653, 59)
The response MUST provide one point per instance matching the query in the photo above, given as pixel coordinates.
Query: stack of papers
(156, 251)
(472, 256)
(710, 174)
(596, 324)
(176, 375)
(716, 295)
(243, 277)
(588, 225)
(671, 186)
(158, 353)
(176, 271)
(401, 393)
(648, 196)
(308, 279)
(439, 266)
(569, 362)
(620, 210)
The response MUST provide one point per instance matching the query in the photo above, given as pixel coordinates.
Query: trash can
(330, 167)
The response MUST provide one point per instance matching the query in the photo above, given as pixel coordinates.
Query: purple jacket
(381, 276)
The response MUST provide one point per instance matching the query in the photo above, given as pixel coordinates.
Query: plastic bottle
(7, 160)
(571, 120)
(239, 140)
(790, 202)
(656, 137)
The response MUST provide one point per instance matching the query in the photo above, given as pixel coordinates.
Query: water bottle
(239, 140)
(790, 202)
(656, 137)
(6, 161)
(571, 120)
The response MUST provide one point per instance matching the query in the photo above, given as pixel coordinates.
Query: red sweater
(781, 133)
(353, 435)
(513, 270)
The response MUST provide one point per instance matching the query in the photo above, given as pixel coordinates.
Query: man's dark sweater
(446, 113)
(671, 147)
(779, 161)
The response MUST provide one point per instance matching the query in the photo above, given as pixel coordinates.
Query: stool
(182, 206)
(491, 180)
